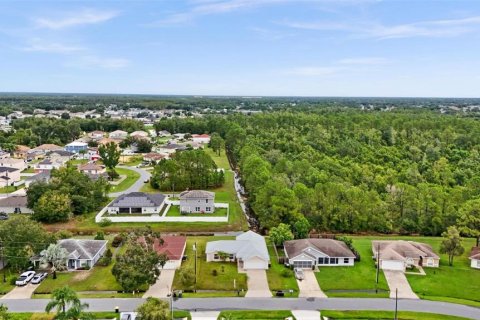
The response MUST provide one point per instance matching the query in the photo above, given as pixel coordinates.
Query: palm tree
(64, 298)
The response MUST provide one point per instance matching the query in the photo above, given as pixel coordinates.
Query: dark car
(3, 216)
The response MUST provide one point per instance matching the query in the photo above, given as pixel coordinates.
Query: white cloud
(98, 62)
(38, 45)
(432, 28)
(83, 17)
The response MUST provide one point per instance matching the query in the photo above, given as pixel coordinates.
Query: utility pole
(378, 263)
(396, 304)
(195, 249)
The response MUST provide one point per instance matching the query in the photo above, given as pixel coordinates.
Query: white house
(96, 135)
(475, 258)
(13, 163)
(140, 135)
(398, 255)
(308, 253)
(201, 138)
(197, 201)
(137, 203)
(118, 134)
(14, 204)
(49, 164)
(248, 249)
(8, 176)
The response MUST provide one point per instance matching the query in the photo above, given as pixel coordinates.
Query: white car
(25, 278)
(299, 274)
(39, 277)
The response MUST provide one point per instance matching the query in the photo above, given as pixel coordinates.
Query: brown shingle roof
(401, 249)
(475, 254)
(90, 166)
(330, 247)
(173, 246)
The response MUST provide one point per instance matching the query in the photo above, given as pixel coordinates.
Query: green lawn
(357, 278)
(5, 287)
(221, 161)
(205, 279)
(45, 316)
(255, 314)
(279, 276)
(147, 187)
(28, 170)
(78, 162)
(386, 315)
(132, 176)
(8, 189)
(174, 211)
(132, 161)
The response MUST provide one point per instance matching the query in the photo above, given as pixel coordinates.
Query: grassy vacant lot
(255, 314)
(174, 211)
(226, 271)
(357, 278)
(131, 160)
(132, 176)
(280, 277)
(402, 315)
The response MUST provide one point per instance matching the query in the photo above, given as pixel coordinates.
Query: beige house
(15, 204)
(21, 152)
(118, 134)
(398, 255)
(13, 163)
(96, 135)
(140, 135)
(197, 201)
(8, 176)
(92, 170)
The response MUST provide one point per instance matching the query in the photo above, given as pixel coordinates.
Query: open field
(255, 314)
(386, 315)
(280, 277)
(356, 281)
(131, 178)
(226, 271)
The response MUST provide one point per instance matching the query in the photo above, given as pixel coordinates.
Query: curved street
(144, 175)
(205, 304)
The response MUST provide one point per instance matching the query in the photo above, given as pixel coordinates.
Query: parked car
(39, 277)
(25, 278)
(299, 274)
(3, 216)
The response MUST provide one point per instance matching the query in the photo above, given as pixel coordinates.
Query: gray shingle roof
(330, 247)
(82, 248)
(7, 169)
(138, 199)
(401, 249)
(15, 201)
(197, 194)
(42, 176)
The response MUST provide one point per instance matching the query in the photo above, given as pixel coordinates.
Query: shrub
(64, 234)
(214, 272)
(112, 174)
(105, 222)
(117, 241)
(100, 236)
(286, 273)
(12, 281)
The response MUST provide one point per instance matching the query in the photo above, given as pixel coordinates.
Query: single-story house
(43, 176)
(475, 258)
(13, 163)
(153, 157)
(118, 134)
(140, 135)
(400, 254)
(49, 164)
(137, 203)
(60, 153)
(83, 254)
(197, 201)
(248, 249)
(164, 133)
(308, 253)
(173, 247)
(4, 154)
(21, 152)
(8, 176)
(44, 148)
(201, 138)
(96, 135)
(92, 170)
(14, 204)
(76, 147)
(105, 141)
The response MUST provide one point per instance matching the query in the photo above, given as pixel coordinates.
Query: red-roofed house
(174, 248)
(201, 138)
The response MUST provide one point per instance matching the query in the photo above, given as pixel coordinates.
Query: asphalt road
(204, 304)
(144, 175)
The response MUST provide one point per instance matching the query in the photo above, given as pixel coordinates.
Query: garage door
(393, 265)
(303, 264)
(255, 263)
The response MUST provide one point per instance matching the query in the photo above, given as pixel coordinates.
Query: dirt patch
(81, 275)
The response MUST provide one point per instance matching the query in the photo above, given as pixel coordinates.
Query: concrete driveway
(257, 284)
(306, 314)
(309, 286)
(205, 315)
(163, 286)
(24, 292)
(144, 175)
(397, 280)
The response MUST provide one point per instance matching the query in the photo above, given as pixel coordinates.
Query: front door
(71, 264)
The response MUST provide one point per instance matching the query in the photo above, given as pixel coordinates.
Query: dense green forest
(410, 171)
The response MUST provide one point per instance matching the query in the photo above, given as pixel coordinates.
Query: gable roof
(82, 248)
(329, 247)
(47, 146)
(10, 161)
(7, 169)
(173, 246)
(401, 249)
(62, 153)
(119, 132)
(21, 148)
(139, 199)
(90, 166)
(475, 254)
(245, 246)
(15, 201)
(42, 176)
(196, 194)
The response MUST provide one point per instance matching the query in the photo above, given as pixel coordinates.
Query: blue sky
(242, 47)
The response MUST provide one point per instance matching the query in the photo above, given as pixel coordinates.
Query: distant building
(93, 171)
(140, 135)
(43, 176)
(197, 201)
(201, 138)
(49, 164)
(153, 157)
(118, 134)
(21, 152)
(137, 203)
(13, 163)
(96, 135)
(14, 204)
(8, 176)
(76, 147)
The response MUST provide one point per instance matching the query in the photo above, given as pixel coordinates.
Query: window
(333, 260)
(231, 257)
(206, 200)
(208, 209)
(302, 264)
(346, 260)
(320, 260)
(215, 256)
(197, 208)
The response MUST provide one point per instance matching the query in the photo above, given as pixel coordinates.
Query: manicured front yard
(51, 315)
(279, 276)
(255, 314)
(226, 271)
(357, 281)
(8, 189)
(402, 315)
(131, 178)
(174, 211)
